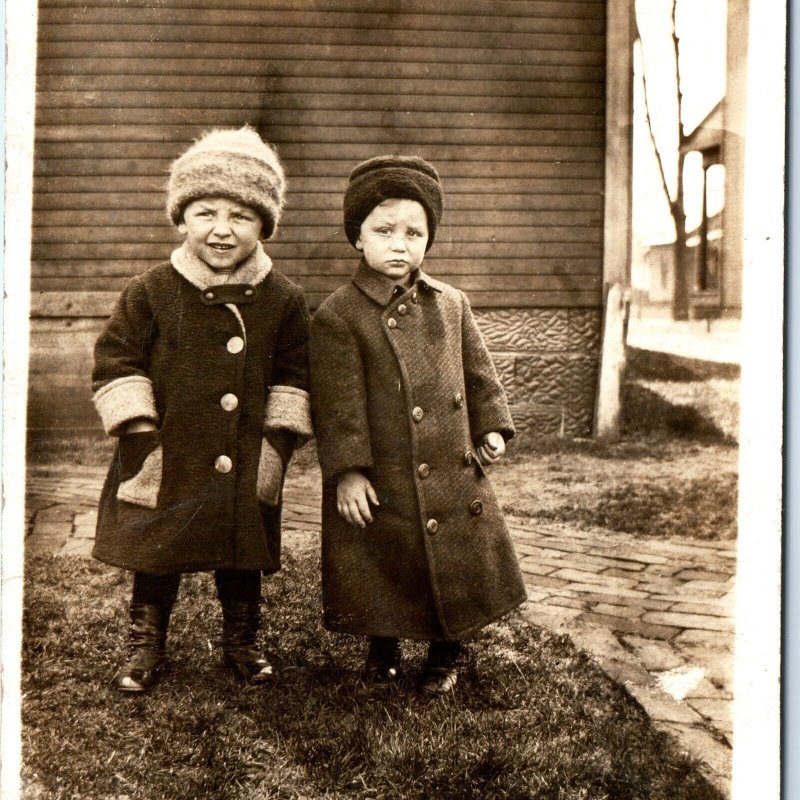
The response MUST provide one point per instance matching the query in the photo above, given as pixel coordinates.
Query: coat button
(223, 464)
(468, 458)
(424, 470)
(229, 401)
(475, 507)
(392, 323)
(235, 344)
(209, 295)
(248, 292)
(458, 400)
(432, 526)
(402, 309)
(417, 414)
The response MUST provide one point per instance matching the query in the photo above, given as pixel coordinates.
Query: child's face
(393, 238)
(220, 231)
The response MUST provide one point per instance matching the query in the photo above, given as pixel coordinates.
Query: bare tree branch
(649, 121)
(648, 118)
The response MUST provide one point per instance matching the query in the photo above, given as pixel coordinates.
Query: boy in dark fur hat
(202, 373)
(408, 411)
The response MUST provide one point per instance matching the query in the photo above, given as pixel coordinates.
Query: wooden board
(505, 98)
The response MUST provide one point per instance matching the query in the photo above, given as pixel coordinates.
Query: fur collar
(251, 271)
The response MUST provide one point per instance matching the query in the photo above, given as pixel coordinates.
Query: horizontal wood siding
(506, 98)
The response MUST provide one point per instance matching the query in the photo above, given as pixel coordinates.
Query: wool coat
(403, 387)
(220, 364)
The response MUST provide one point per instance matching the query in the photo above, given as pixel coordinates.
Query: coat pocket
(140, 468)
(270, 474)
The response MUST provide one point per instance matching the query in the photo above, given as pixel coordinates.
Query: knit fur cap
(230, 163)
(385, 177)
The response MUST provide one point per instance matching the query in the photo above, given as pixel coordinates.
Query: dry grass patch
(533, 717)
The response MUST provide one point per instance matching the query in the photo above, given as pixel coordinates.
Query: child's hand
(354, 493)
(491, 449)
(140, 426)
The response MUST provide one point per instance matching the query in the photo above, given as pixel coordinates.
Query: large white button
(229, 401)
(235, 344)
(392, 323)
(223, 464)
(417, 414)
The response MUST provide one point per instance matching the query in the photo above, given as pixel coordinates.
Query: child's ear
(182, 227)
(358, 245)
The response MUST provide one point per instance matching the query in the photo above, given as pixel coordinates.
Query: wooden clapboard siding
(506, 98)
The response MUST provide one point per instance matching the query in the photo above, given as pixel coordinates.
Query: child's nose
(221, 227)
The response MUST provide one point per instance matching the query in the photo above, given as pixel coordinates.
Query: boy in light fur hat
(202, 374)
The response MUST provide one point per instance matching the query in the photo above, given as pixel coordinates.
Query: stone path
(657, 616)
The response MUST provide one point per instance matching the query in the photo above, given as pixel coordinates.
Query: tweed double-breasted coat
(403, 388)
(220, 364)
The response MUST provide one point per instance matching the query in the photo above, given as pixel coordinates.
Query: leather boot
(147, 645)
(240, 624)
(383, 659)
(439, 675)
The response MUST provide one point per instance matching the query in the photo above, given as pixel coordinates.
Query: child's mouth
(221, 247)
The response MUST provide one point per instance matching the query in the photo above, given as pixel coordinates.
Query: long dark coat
(402, 389)
(214, 366)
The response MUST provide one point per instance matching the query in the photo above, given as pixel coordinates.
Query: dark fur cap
(385, 177)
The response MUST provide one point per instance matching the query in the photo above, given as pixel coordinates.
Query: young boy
(407, 411)
(202, 373)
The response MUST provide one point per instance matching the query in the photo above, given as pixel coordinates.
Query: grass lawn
(673, 475)
(532, 717)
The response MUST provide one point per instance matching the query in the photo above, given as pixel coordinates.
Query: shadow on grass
(645, 412)
(651, 365)
(532, 716)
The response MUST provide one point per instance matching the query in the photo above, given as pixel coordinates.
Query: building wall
(507, 99)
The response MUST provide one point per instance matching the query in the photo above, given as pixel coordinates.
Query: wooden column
(617, 213)
(619, 143)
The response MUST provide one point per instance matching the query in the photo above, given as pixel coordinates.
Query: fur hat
(385, 177)
(231, 163)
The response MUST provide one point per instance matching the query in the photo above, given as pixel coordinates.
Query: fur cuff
(142, 489)
(289, 408)
(125, 399)
(270, 475)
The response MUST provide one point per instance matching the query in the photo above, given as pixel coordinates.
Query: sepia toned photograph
(392, 399)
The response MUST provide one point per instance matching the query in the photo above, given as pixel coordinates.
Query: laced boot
(147, 644)
(383, 659)
(439, 675)
(240, 624)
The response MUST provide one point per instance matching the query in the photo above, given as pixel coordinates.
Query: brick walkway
(657, 616)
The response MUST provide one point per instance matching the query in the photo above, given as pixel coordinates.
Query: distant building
(710, 283)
